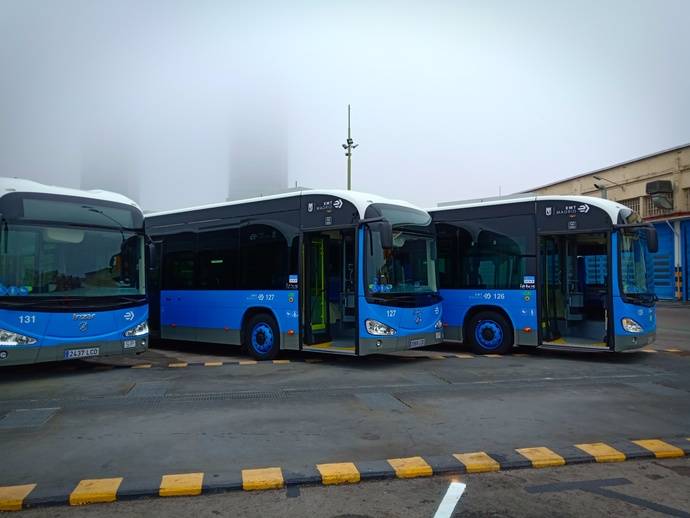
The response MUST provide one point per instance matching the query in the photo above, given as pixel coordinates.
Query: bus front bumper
(391, 344)
(72, 351)
(628, 342)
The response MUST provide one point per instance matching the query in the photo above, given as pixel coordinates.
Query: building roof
(627, 162)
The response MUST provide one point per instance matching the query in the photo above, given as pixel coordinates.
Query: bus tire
(261, 337)
(490, 332)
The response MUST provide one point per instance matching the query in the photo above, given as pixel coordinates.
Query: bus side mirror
(652, 240)
(385, 230)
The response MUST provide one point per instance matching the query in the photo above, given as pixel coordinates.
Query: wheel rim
(488, 334)
(262, 338)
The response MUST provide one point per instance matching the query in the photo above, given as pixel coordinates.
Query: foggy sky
(450, 100)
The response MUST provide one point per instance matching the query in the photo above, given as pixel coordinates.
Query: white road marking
(455, 491)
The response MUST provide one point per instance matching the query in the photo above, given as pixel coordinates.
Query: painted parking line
(93, 491)
(478, 462)
(177, 365)
(12, 497)
(280, 362)
(339, 473)
(660, 449)
(142, 366)
(541, 457)
(411, 467)
(262, 478)
(213, 364)
(183, 484)
(602, 452)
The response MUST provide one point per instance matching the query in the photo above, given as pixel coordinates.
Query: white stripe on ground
(455, 491)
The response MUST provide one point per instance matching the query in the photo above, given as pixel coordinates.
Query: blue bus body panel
(224, 309)
(59, 328)
(643, 315)
(664, 264)
(56, 332)
(520, 305)
(406, 321)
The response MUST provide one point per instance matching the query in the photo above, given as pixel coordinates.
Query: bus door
(574, 290)
(315, 299)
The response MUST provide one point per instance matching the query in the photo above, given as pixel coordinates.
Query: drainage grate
(27, 418)
(219, 396)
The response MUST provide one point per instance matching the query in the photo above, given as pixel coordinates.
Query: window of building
(652, 210)
(631, 203)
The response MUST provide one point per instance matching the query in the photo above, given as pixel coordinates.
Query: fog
(184, 103)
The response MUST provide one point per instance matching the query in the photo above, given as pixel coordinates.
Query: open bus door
(315, 299)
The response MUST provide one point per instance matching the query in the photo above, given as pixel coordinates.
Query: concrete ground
(89, 420)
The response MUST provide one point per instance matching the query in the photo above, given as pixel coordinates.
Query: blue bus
(559, 272)
(325, 271)
(72, 274)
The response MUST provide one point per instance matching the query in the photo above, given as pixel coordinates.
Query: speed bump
(660, 449)
(95, 491)
(12, 497)
(184, 484)
(411, 467)
(602, 452)
(262, 478)
(541, 457)
(478, 462)
(339, 473)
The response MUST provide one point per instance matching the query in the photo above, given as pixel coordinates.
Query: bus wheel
(490, 332)
(262, 337)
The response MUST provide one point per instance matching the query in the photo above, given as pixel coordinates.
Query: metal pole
(349, 146)
(349, 152)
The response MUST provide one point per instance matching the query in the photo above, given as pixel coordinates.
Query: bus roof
(360, 200)
(21, 185)
(612, 208)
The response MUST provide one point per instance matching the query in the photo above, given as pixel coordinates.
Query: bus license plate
(72, 354)
(130, 343)
(419, 342)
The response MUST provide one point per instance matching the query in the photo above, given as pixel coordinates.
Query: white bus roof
(8, 185)
(361, 200)
(612, 208)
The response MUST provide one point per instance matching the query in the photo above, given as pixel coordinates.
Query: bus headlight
(8, 338)
(631, 326)
(374, 327)
(141, 329)
(438, 325)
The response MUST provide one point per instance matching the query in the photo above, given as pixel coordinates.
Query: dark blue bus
(327, 271)
(72, 274)
(562, 272)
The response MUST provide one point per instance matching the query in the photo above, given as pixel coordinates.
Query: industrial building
(658, 187)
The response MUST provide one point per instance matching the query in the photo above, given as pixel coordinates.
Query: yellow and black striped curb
(430, 356)
(90, 491)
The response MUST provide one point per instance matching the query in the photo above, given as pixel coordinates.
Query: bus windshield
(636, 264)
(67, 261)
(408, 268)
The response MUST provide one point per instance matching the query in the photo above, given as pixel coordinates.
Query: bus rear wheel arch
(489, 332)
(261, 336)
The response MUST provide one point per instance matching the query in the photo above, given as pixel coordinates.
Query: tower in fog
(258, 155)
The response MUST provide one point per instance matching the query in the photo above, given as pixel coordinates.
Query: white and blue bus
(327, 271)
(563, 272)
(72, 274)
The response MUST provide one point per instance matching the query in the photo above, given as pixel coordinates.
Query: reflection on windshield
(409, 267)
(57, 261)
(636, 264)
